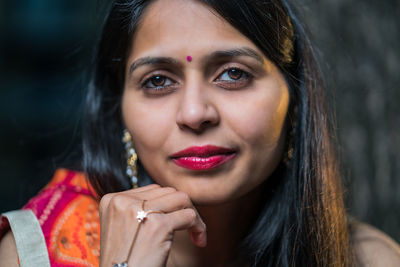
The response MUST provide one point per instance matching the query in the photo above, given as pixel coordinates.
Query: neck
(227, 224)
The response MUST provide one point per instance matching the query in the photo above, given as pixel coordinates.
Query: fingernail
(198, 239)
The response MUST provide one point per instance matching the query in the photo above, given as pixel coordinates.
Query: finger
(155, 193)
(150, 191)
(144, 188)
(104, 202)
(133, 197)
(178, 201)
(170, 202)
(188, 219)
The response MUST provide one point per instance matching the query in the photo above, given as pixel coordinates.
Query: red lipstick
(203, 157)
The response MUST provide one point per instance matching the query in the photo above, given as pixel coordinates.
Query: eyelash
(244, 80)
(155, 88)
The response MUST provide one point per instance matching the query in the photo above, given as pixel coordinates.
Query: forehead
(183, 27)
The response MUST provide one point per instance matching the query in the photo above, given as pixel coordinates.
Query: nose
(197, 112)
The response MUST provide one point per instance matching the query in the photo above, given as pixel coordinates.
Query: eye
(157, 81)
(158, 84)
(232, 74)
(233, 78)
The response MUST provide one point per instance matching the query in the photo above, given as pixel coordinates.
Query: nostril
(196, 112)
(199, 128)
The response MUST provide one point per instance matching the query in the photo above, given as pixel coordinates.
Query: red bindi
(189, 58)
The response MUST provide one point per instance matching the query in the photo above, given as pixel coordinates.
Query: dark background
(46, 45)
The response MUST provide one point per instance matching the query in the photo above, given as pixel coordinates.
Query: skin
(202, 105)
(205, 214)
(195, 103)
(238, 102)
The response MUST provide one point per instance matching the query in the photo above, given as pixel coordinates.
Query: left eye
(233, 74)
(234, 78)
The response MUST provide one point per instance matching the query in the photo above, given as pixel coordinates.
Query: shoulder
(8, 250)
(67, 211)
(63, 189)
(373, 247)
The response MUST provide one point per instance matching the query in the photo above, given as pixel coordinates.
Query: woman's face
(205, 107)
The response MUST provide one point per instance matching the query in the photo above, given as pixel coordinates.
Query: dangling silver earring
(131, 158)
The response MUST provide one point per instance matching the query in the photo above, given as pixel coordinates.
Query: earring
(288, 156)
(131, 156)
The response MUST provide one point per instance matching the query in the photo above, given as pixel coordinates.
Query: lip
(203, 157)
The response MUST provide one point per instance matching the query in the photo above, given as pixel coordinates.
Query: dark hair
(303, 220)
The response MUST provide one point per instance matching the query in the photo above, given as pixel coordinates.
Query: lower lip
(200, 164)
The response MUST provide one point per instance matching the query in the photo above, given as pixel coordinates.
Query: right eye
(157, 81)
(157, 84)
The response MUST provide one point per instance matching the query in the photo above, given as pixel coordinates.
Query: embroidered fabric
(67, 211)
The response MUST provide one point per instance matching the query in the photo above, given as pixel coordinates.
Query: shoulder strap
(31, 246)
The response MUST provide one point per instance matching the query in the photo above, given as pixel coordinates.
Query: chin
(208, 193)
(205, 201)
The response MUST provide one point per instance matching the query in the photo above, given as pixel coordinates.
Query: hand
(119, 224)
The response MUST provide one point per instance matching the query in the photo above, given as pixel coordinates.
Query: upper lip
(202, 151)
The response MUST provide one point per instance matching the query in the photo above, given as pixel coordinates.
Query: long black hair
(303, 220)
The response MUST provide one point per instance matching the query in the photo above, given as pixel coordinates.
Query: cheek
(149, 123)
(264, 119)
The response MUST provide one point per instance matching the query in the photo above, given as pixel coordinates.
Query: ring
(142, 215)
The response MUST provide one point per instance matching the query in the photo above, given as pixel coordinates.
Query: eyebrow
(152, 61)
(231, 53)
(236, 52)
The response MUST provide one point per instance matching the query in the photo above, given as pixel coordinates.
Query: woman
(220, 103)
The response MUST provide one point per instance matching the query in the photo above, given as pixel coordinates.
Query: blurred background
(45, 50)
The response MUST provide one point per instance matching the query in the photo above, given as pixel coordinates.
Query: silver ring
(142, 215)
